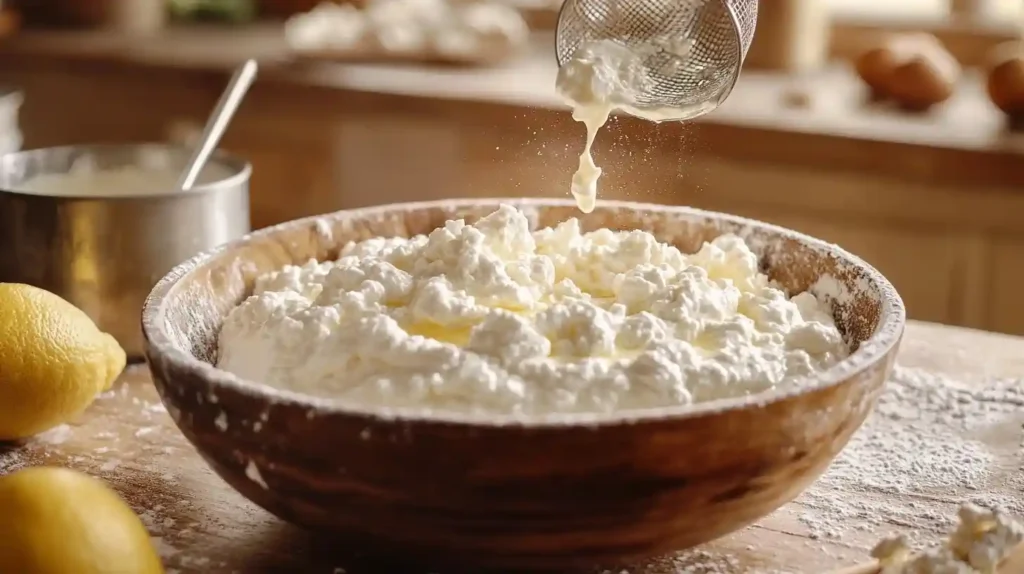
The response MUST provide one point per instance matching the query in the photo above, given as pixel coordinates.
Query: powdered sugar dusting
(57, 435)
(10, 461)
(828, 288)
(924, 441)
(692, 562)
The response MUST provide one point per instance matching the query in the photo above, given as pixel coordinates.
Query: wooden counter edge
(980, 161)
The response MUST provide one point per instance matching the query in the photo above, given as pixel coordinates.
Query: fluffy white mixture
(983, 538)
(458, 30)
(490, 317)
(602, 77)
(85, 178)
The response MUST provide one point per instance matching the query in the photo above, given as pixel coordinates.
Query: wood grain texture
(500, 492)
(203, 526)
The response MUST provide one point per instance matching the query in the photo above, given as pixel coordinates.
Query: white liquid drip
(584, 181)
(600, 78)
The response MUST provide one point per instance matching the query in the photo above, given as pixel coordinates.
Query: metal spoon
(218, 123)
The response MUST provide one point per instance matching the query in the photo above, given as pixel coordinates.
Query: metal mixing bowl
(104, 253)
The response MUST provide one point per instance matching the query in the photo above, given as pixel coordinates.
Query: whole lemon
(58, 521)
(53, 360)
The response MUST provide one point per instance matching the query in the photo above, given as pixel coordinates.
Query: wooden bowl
(555, 493)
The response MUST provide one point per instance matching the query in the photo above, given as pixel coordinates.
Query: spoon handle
(218, 122)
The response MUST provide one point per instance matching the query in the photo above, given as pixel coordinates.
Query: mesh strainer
(692, 50)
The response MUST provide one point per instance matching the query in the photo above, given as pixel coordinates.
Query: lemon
(53, 360)
(58, 521)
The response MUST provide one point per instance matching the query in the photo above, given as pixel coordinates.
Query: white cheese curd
(461, 31)
(983, 539)
(494, 318)
(87, 179)
(604, 76)
(106, 183)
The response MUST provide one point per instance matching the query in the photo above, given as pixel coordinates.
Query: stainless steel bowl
(104, 253)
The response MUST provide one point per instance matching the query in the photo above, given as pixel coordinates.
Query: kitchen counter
(967, 129)
(200, 525)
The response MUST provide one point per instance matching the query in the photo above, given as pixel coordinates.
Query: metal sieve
(691, 50)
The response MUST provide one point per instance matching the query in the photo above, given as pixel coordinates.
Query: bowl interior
(183, 315)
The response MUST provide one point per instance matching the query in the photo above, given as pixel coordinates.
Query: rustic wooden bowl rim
(871, 352)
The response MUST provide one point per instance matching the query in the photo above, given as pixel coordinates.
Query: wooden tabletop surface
(200, 525)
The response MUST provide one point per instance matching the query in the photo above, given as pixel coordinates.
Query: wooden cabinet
(291, 158)
(1006, 312)
(954, 250)
(385, 158)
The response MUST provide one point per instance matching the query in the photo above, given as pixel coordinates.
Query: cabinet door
(290, 175)
(387, 158)
(291, 161)
(1006, 313)
(284, 186)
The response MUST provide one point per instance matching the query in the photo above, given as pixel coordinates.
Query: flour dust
(920, 454)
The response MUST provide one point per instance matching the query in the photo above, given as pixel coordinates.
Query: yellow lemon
(53, 360)
(58, 521)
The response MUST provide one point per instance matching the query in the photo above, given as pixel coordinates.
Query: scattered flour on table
(915, 449)
(917, 444)
(699, 562)
(55, 436)
(691, 562)
(10, 461)
(172, 535)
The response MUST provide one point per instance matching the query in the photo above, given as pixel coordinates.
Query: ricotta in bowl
(491, 317)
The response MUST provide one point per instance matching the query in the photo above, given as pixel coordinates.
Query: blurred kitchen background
(926, 183)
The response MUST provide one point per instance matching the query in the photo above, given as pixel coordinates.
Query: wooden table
(200, 525)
